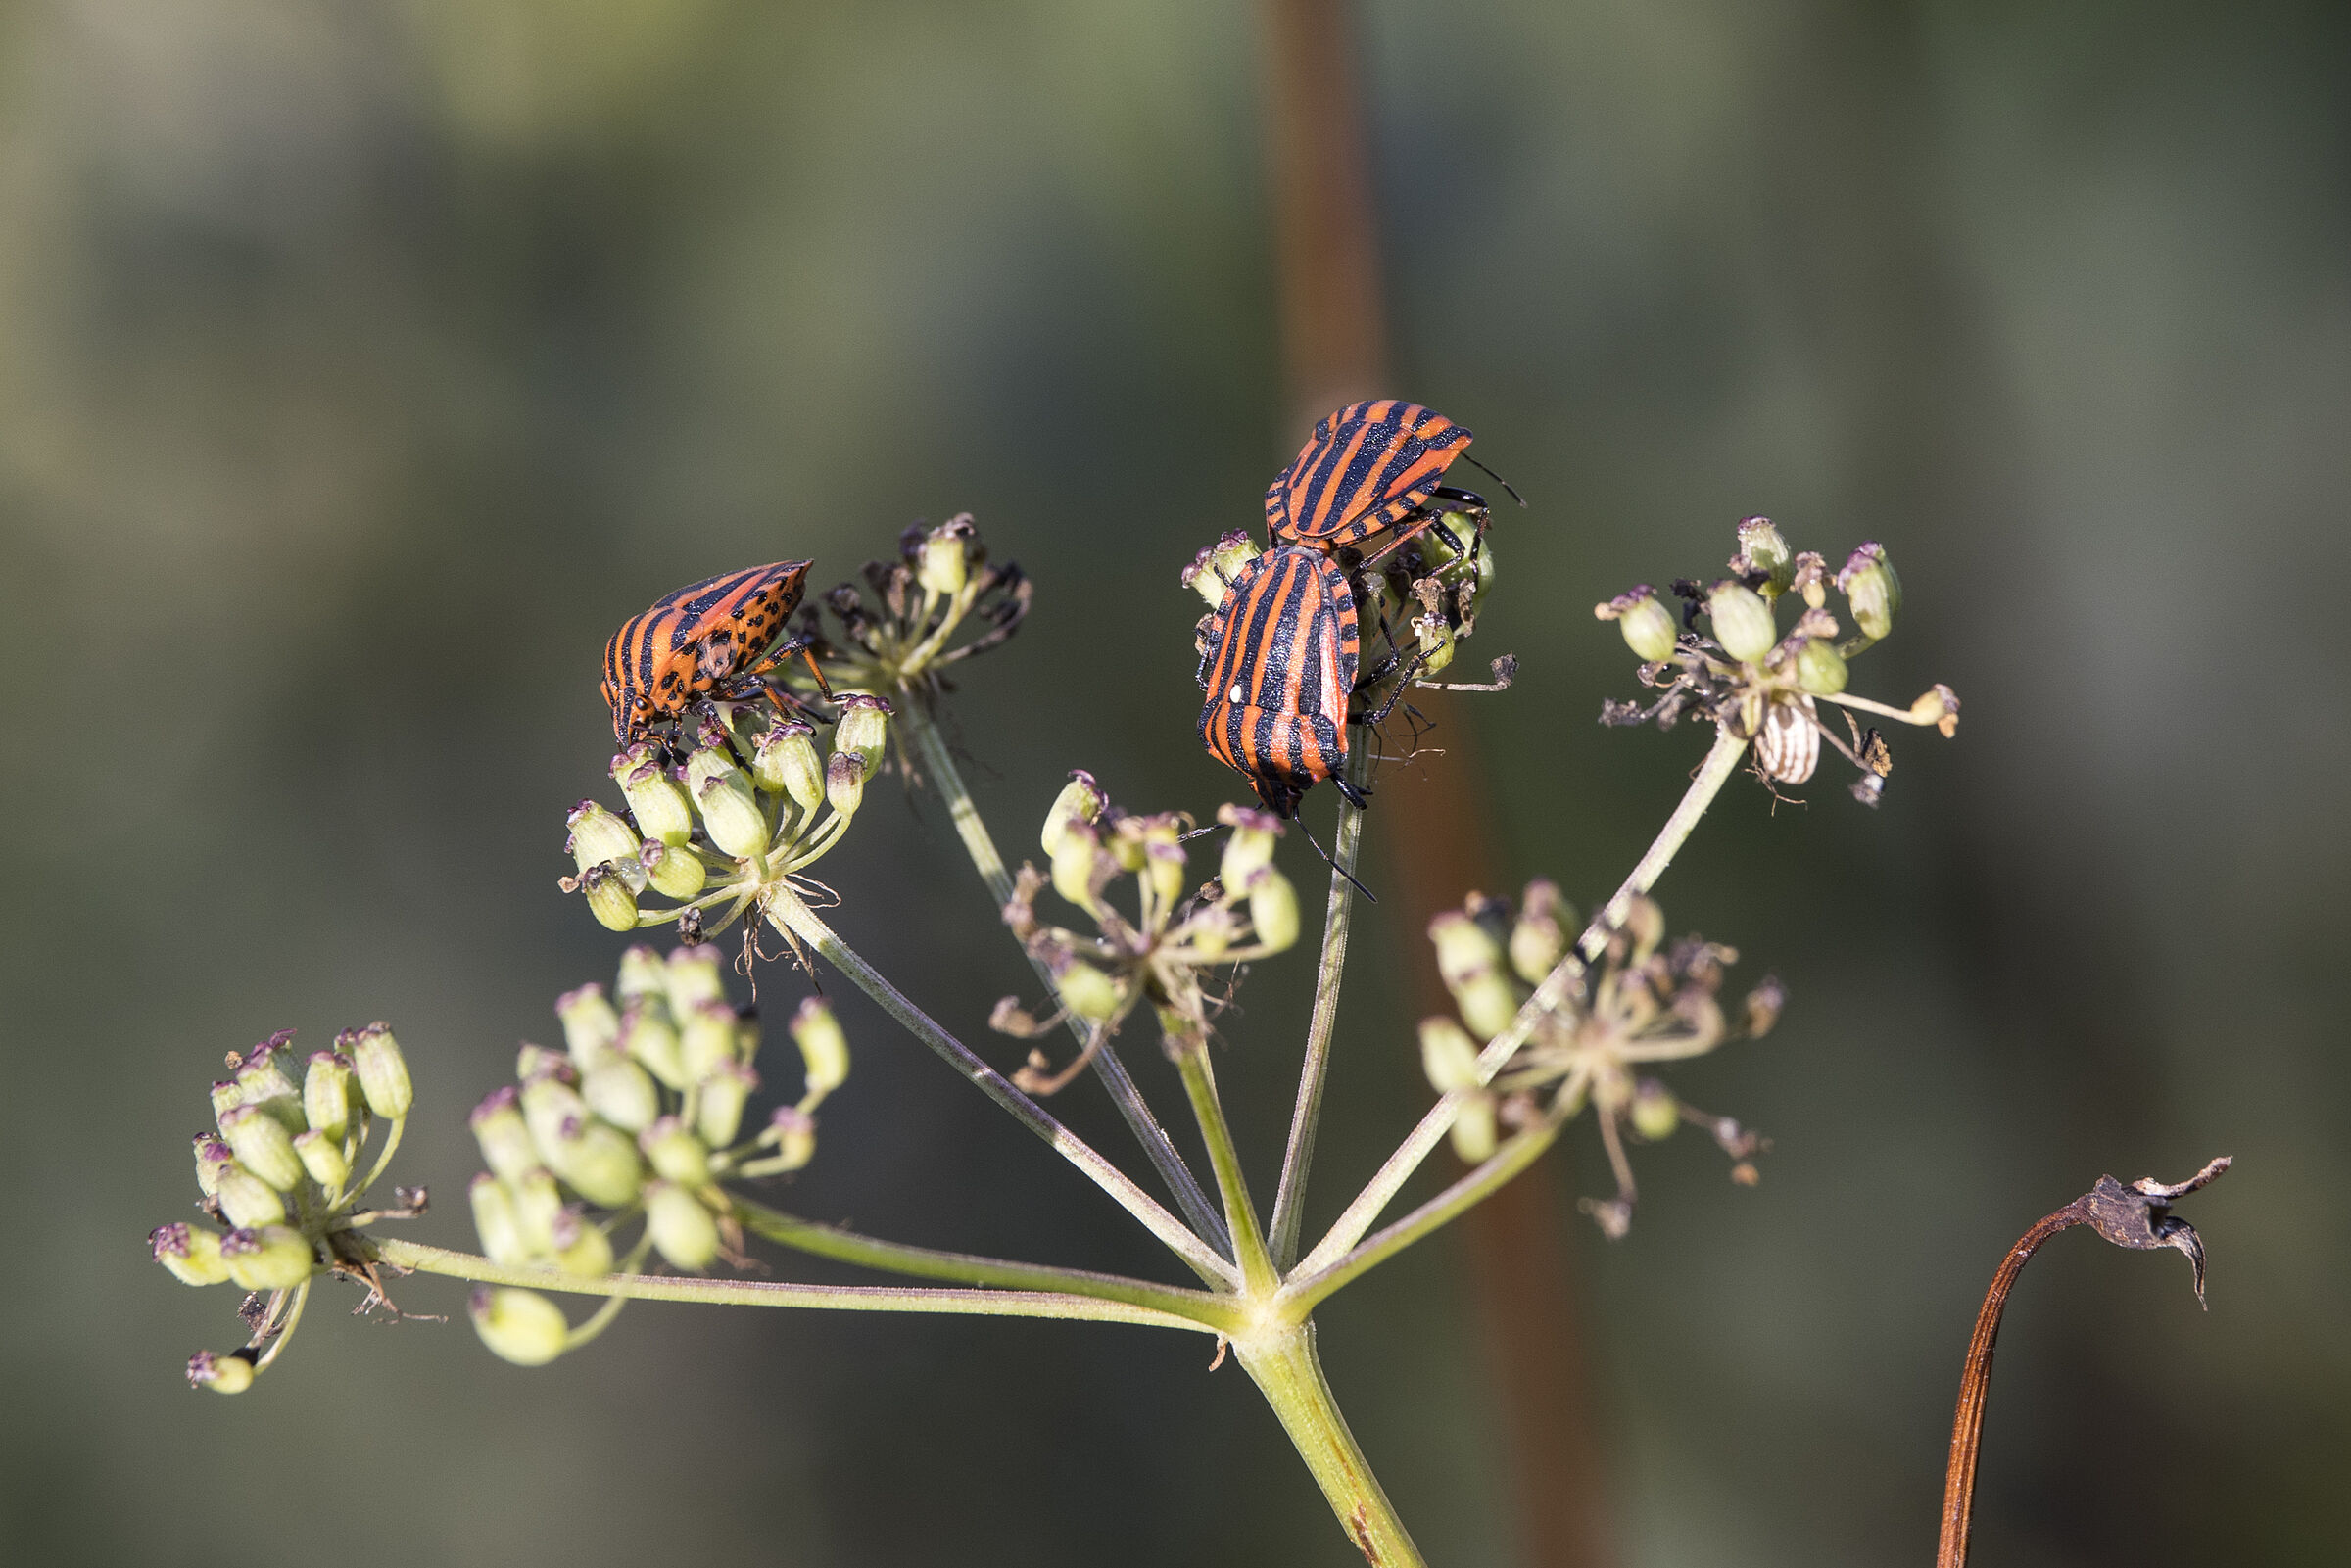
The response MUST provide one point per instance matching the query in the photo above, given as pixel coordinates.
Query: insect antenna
(1497, 478)
(1332, 864)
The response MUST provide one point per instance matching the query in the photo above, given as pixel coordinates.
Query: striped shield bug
(1365, 479)
(1277, 662)
(716, 638)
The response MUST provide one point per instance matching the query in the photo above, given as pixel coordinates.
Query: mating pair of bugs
(1279, 655)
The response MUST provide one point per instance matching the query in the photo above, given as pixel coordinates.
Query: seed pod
(330, 1093)
(1871, 589)
(212, 1156)
(223, 1374)
(1081, 801)
(1742, 622)
(1538, 938)
(535, 1062)
(672, 872)
(582, 1246)
(508, 1147)
(550, 1106)
(1762, 548)
(191, 1251)
(323, 1157)
(610, 899)
(718, 1109)
(1076, 871)
(262, 1146)
(1448, 1054)
(246, 1200)
(681, 1229)
(675, 1153)
(537, 1203)
(1819, 668)
(1273, 908)
(863, 731)
(591, 1026)
(1088, 992)
(1788, 747)
(520, 1326)
(1164, 863)
(263, 1083)
(647, 1035)
(1646, 624)
(1212, 571)
(706, 1040)
(824, 1048)
(845, 781)
(943, 562)
(785, 763)
(600, 1163)
(1475, 1139)
(495, 1222)
(691, 976)
(597, 835)
(794, 1134)
(663, 811)
(622, 1093)
(730, 811)
(272, 1258)
(383, 1072)
(1655, 1113)
(641, 973)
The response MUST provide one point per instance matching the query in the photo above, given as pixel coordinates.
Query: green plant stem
(585, 1332)
(1215, 1312)
(786, 911)
(1289, 1374)
(1259, 1278)
(981, 846)
(1289, 1195)
(770, 1293)
(1360, 1216)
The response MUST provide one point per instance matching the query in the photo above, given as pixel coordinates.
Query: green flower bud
(845, 781)
(647, 1035)
(675, 1153)
(498, 1126)
(591, 1026)
(212, 1156)
(1475, 1139)
(1448, 1054)
(641, 973)
(518, 1325)
(663, 810)
(262, 1146)
(246, 1200)
(1742, 622)
(1077, 868)
(824, 1048)
(581, 1247)
(1762, 548)
(1087, 991)
(599, 1161)
(794, 1134)
(271, 1258)
(681, 1229)
(787, 764)
(1871, 589)
(863, 731)
(692, 975)
(323, 1157)
(549, 1106)
(223, 1374)
(330, 1093)
(383, 1072)
(1081, 801)
(1249, 846)
(1819, 668)
(495, 1222)
(1655, 1112)
(718, 1110)
(597, 835)
(943, 562)
(1646, 624)
(191, 1251)
(1539, 939)
(621, 1092)
(707, 1040)
(672, 872)
(537, 1201)
(1273, 908)
(730, 811)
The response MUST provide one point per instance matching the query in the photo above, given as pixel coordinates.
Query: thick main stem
(1290, 1376)
(786, 910)
(1289, 1196)
(981, 846)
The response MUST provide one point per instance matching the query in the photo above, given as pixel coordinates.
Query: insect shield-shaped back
(702, 639)
(1279, 665)
(1360, 478)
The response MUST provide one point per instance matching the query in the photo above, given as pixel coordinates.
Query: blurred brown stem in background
(1334, 350)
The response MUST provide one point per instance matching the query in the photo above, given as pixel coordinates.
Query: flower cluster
(751, 805)
(1761, 685)
(279, 1175)
(1157, 955)
(641, 1116)
(897, 636)
(1648, 1002)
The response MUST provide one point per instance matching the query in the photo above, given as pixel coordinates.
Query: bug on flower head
(719, 637)
(1279, 664)
(1365, 478)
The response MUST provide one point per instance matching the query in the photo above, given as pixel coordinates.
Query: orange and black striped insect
(1279, 663)
(1365, 478)
(716, 638)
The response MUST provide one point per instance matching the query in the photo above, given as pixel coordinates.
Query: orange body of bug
(1279, 665)
(1363, 479)
(712, 639)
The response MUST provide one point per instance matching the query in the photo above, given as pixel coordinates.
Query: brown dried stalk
(2138, 1216)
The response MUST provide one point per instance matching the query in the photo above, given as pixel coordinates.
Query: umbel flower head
(1647, 1003)
(641, 1117)
(1157, 955)
(1764, 686)
(282, 1178)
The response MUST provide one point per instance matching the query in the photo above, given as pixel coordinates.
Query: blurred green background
(362, 366)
